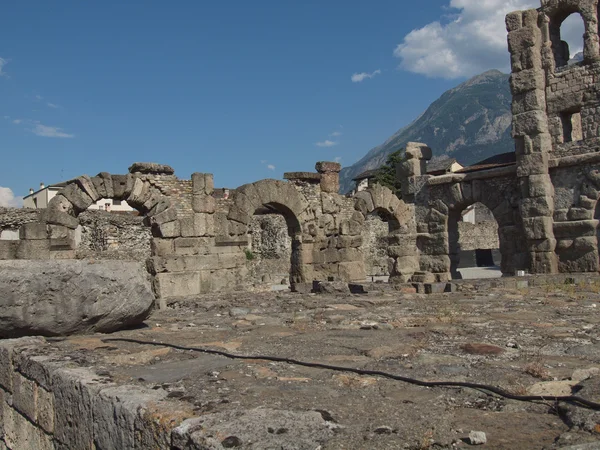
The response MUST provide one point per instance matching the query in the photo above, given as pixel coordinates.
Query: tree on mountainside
(386, 174)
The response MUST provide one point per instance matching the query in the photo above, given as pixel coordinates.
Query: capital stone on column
(330, 175)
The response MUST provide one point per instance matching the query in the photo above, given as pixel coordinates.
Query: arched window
(566, 33)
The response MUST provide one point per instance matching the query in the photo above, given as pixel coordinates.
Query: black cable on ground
(502, 393)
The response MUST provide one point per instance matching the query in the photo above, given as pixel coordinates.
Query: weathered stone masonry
(199, 242)
(546, 203)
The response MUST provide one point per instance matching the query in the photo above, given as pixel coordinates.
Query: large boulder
(57, 298)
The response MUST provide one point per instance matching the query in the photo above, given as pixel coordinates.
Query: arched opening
(379, 224)
(474, 243)
(567, 31)
(274, 248)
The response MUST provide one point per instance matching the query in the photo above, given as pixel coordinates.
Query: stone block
(406, 264)
(20, 433)
(405, 248)
(56, 217)
(433, 244)
(192, 246)
(538, 227)
(8, 249)
(74, 390)
(526, 80)
(7, 352)
(536, 206)
(238, 215)
(352, 271)
(514, 21)
(25, 393)
(153, 200)
(530, 123)
(103, 185)
(523, 38)
(537, 186)
(33, 249)
(231, 260)
(122, 185)
(140, 193)
(198, 225)
(330, 182)
(350, 228)
(202, 183)
(418, 150)
(543, 262)
(533, 164)
(117, 419)
(328, 167)
(162, 247)
(436, 288)
(168, 215)
(328, 203)
(542, 245)
(434, 264)
(78, 198)
(168, 229)
(580, 214)
(534, 100)
(86, 185)
(180, 284)
(350, 241)
(151, 168)
(182, 263)
(574, 229)
(33, 231)
(61, 232)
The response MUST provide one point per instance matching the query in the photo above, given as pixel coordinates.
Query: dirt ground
(535, 340)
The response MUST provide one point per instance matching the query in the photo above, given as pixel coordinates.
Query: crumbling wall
(106, 235)
(270, 250)
(481, 235)
(375, 245)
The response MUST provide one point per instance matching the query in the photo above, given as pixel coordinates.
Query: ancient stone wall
(200, 240)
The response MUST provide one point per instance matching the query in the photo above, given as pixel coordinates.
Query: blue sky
(245, 90)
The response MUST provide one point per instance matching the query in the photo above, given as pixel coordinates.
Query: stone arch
(281, 197)
(557, 11)
(403, 255)
(81, 192)
(500, 196)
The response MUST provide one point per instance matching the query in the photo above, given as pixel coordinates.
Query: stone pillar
(412, 174)
(330, 176)
(531, 52)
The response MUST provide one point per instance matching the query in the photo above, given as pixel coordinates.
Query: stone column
(411, 173)
(330, 176)
(531, 52)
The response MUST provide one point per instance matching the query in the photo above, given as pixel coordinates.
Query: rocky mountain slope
(470, 122)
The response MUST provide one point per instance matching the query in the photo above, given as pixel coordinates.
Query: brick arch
(79, 193)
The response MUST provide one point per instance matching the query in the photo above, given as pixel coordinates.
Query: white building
(39, 199)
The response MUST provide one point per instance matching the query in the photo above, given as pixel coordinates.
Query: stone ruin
(544, 201)
(200, 240)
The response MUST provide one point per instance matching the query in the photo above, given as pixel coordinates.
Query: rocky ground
(534, 340)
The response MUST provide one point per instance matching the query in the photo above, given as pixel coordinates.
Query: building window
(107, 206)
(117, 202)
(571, 126)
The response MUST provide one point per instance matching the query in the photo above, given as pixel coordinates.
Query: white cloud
(46, 131)
(39, 97)
(358, 77)
(52, 105)
(336, 134)
(470, 41)
(271, 167)
(326, 143)
(8, 199)
(17, 121)
(338, 159)
(3, 62)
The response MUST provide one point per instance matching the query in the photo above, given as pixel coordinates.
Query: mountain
(470, 122)
(577, 58)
